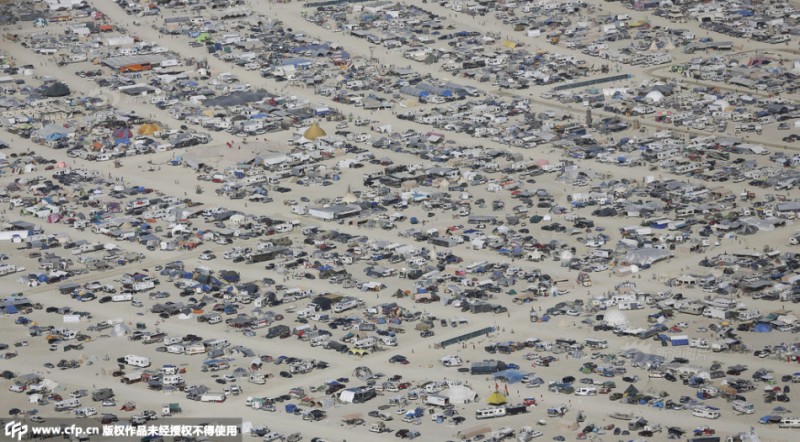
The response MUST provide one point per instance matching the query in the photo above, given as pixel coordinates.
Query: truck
(170, 409)
(437, 400)
(213, 397)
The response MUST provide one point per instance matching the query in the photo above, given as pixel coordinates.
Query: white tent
(460, 394)
(120, 329)
(615, 318)
(654, 96)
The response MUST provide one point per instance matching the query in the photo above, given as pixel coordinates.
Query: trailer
(437, 400)
(141, 286)
(344, 305)
(67, 404)
(137, 361)
(154, 338)
(213, 397)
(8, 269)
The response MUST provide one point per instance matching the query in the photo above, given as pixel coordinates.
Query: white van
(586, 391)
(451, 361)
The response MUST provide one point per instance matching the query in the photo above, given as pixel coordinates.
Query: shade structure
(148, 129)
(496, 398)
(314, 132)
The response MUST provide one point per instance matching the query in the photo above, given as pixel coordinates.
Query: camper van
(585, 391)
(743, 407)
(488, 413)
(320, 341)
(86, 412)
(789, 422)
(706, 412)
(389, 341)
(216, 343)
(137, 361)
(366, 343)
(68, 404)
(451, 361)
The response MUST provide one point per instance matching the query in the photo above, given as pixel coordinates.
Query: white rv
(789, 422)
(706, 412)
(451, 361)
(743, 407)
(488, 413)
(67, 404)
(586, 391)
(137, 361)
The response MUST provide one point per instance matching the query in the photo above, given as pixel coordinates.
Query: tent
(460, 394)
(122, 132)
(511, 375)
(120, 329)
(762, 328)
(56, 89)
(496, 398)
(362, 372)
(148, 129)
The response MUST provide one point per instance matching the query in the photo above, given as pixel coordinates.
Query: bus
(597, 344)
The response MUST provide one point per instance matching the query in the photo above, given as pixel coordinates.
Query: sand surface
(424, 364)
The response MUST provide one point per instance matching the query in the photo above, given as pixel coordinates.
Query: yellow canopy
(314, 132)
(496, 398)
(509, 44)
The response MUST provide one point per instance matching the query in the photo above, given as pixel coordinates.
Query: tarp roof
(56, 89)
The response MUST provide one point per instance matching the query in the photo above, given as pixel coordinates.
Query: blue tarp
(511, 375)
(762, 328)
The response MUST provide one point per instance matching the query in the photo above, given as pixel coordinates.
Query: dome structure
(313, 132)
(460, 394)
(654, 96)
(615, 318)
